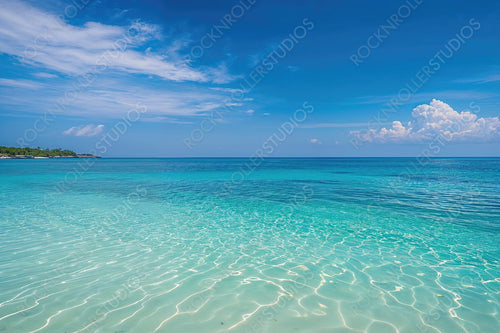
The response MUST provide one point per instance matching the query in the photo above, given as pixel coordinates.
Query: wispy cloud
(112, 98)
(424, 97)
(335, 125)
(230, 90)
(43, 40)
(483, 79)
(433, 120)
(165, 82)
(20, 83)
(88, 130)
(181, 101)
(44, 75)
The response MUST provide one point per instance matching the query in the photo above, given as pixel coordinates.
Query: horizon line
(287, 157)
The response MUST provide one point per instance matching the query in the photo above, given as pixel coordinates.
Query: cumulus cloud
(315, 142)
(436, 119)
(89, 130)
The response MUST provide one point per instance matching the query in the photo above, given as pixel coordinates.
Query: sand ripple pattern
(354, 256)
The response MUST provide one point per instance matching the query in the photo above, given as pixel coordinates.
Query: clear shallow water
(296, 245)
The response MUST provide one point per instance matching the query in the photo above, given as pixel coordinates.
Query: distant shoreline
(27, 153)
(29, 157)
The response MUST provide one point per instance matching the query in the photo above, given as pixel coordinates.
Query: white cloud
(491, 78)
(484, 79)
(250, 112)
(182, 101)
(113, 98)
(229, 90)
(433, 120)
(44, 75)
(89, 130)
(315, 142)
(20, 83)
(335, 125)
(42, 39)
(424, 97)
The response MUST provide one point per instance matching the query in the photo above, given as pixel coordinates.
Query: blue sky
(232, 78)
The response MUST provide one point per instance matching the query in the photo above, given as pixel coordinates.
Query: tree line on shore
(36, 152)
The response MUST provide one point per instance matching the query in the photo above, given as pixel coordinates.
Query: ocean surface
(233, 245)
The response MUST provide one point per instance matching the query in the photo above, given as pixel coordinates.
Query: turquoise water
(227, 245)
